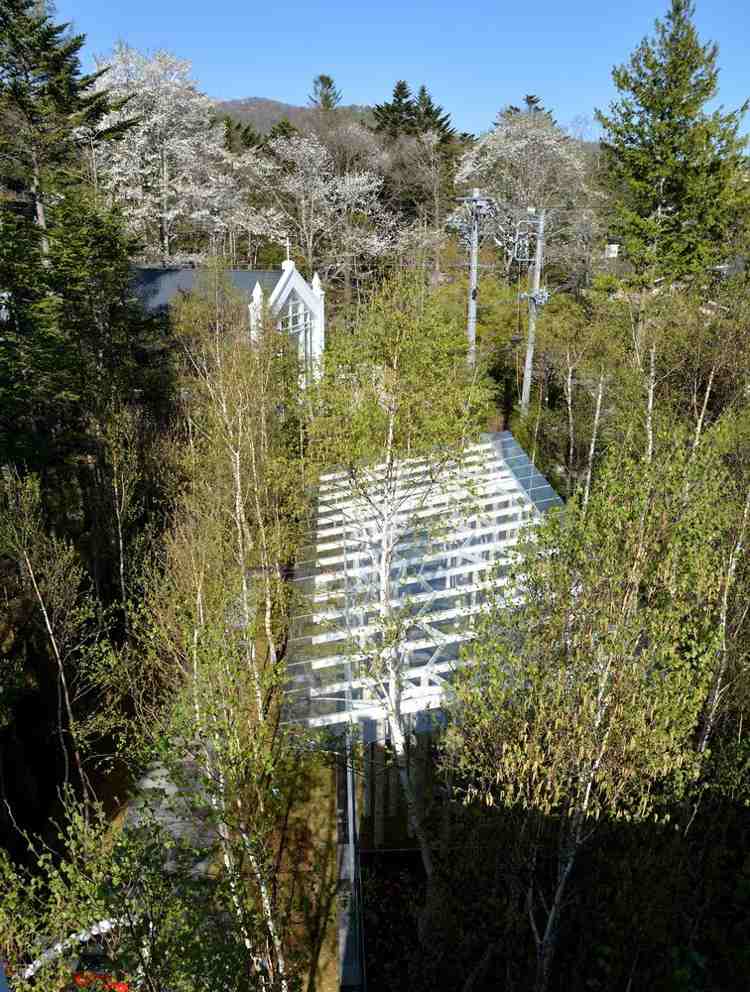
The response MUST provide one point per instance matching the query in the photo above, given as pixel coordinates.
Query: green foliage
(677, 171)
(325, 95)
(170, 925)
(283, 129)
(238, 136)
(406, 114)
(501, 314)
(602, 726)
(47, 108)
(429, 117)
(589, 693)
(531, 105)
(77, 355)
(400, 383)
(397, 116)
(75, 340)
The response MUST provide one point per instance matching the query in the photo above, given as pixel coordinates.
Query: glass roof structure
(406, 560)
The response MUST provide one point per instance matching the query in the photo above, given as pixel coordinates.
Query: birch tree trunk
(592, 448)
(717, 689)
(650, 390)
(63, 682)
(571, 425)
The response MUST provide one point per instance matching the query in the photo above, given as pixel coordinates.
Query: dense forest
(585, 824)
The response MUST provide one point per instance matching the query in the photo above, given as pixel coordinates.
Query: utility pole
(471, 325)
(536, 300)
(478, 207)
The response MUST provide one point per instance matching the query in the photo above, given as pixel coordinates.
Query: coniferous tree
(399, 116)
(283, 129)
(72, 342)
(239, 137)
(325, 94)
(677, 170)
(429, 116)
(48, 109)
(532, 104)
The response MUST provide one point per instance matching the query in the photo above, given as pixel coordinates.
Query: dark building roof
(158, 287)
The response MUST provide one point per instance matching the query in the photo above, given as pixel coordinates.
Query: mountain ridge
(263, 112)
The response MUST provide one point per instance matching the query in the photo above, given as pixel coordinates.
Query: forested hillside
(264, 114)
(578, 817)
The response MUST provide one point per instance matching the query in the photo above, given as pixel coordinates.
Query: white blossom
(327, 217)
(528, 161)
(170, 173)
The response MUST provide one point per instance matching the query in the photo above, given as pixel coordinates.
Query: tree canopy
(677, 170)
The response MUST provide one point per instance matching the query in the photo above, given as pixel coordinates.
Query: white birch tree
(398, 388)
(593, 692)
(187, 886)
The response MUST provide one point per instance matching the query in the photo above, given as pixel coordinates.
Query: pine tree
(399, 116)
(68, 334)
(48, 110)
(431, 117)
(73, 342)
(282, 129)
(325, 94)
(239, 137)
(532, 105)
(676, 170)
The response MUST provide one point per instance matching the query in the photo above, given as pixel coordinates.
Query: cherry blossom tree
(170, 173)
(255, 226)
(328, 218)
(525, 160)
(363, 229)
(353, 146)
(528, 160)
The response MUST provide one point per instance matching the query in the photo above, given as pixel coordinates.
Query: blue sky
(473, 59)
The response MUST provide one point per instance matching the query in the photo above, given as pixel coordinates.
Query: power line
(514, 237)
(479, 207)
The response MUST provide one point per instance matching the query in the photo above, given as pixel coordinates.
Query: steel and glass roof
(455, 533)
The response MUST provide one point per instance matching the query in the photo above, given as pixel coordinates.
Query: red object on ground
(85, 979)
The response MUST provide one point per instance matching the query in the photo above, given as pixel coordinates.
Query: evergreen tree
(399, 116)
(239, 137)
(69, 334)
(48, 110)
(73, 341)
(282, 129)
(676, 170)
(431, 117)
(325, 94)
(532, 105)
